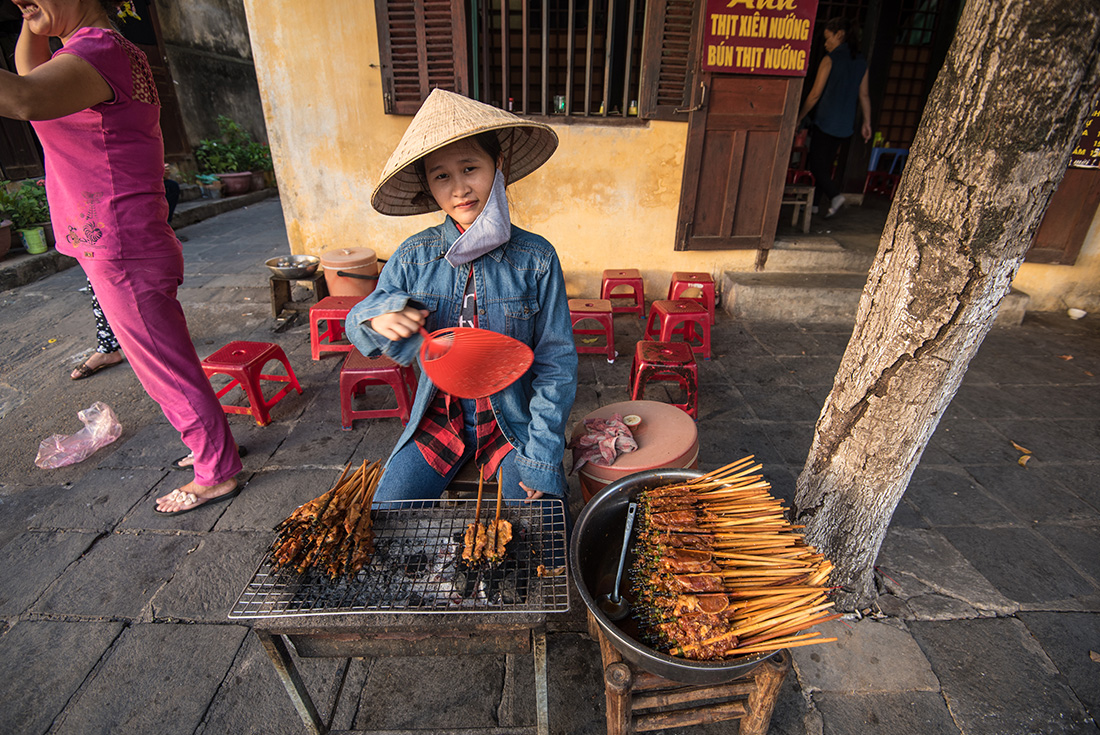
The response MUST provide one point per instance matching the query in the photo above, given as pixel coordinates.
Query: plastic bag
(101, 427)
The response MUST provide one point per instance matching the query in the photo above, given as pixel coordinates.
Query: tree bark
(993, 143)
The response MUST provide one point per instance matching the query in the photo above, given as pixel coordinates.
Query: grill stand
(638, 701)
(360, 636)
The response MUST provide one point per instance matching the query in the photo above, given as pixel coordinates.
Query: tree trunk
(993, 143)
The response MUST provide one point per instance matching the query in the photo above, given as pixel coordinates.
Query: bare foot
(96, 362)
(193, 495)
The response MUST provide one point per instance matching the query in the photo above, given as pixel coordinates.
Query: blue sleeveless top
(836, 110)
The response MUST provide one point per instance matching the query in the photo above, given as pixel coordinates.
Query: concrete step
(823, 298)
(816, 253)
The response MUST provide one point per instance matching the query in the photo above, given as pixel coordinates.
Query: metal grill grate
(416, 567)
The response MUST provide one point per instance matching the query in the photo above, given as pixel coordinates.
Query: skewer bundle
(487, 543)
(719, 571)
(331, 534)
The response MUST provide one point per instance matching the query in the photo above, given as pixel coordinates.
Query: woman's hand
(531, 494)
(399, 324)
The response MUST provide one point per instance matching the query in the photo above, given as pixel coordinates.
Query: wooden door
(144, 32)
(739, 144)
(1068, 217)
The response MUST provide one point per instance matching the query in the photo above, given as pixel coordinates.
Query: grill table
(406, 601)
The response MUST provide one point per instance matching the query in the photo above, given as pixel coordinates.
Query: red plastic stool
(668, 318)
(598, 310)
(631, 278)
(244, 363)
(359, 370)
(683, 281)
(332, 310)
(666, 362)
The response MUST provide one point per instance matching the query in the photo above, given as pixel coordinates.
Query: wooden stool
(702, 282)
(801, 198)
(666, 362)
(632, 279)
(598, 310)
(667, 318)
(282, 293)
(332, 310)
(359, 370)
(638, 701)
(244, 362)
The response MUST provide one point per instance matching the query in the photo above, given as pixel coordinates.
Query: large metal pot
(593, 557)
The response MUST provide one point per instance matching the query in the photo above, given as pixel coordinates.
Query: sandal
(175, 464)
(191, 501)
(84, 370)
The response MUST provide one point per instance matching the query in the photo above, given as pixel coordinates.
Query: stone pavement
(113, 619)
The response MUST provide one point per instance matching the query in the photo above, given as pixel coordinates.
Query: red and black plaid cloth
(439, 436)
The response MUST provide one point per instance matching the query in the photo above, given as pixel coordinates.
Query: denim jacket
(520, 293)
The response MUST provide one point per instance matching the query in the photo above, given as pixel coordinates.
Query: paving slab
(729, 441)
(1078, 543)
(792, 439)
(926, 557)
(996, 679)
(273, 495)
(781, 402)
(20, 506)
(1022, 565)
(576, 694)
(949, 496)
(154, 447)
(207, 582)
(117, 577)
(97, 501)
(1060, 440)
(311, 443)
(159, 678)
(868, 656)
(908, 713)
(1030, 496)
(974, 441)
(388, 703)
(253, 701)
(1071, 640)
(46, 662)
(33, 561)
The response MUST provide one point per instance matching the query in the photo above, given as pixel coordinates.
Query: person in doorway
(474, 269)
(840, 83)
(95, 108)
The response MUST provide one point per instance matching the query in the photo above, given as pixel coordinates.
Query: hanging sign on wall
(1086, 154)
(758, 36)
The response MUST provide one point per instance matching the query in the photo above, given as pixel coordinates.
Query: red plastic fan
(473, 363)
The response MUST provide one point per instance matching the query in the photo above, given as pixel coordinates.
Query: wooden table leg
(769, 676)
(617, 681)
(276, 649)
(542, 696)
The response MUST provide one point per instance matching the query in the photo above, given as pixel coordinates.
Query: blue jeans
(408, 476)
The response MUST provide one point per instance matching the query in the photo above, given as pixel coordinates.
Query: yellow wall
(607, 199)
(1058, 287)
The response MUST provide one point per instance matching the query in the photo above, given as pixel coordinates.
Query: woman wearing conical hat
(475, 269)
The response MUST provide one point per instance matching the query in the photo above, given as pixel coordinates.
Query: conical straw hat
(444, 118)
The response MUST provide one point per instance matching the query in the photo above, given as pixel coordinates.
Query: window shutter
(668, 59)
(422, 44)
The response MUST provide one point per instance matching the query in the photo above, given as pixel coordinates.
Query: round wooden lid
(666, 437)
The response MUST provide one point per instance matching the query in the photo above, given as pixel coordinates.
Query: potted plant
(26, 205)
(5, 230)
(259, 163)
(227, 158)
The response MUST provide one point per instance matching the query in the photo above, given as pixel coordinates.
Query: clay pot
(234, 184)
(5, 237)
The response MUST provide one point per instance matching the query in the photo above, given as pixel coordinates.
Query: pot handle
(380, 261)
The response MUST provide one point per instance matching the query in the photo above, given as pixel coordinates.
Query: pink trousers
(139, 299)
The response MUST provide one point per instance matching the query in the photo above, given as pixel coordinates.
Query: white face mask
(490, 230)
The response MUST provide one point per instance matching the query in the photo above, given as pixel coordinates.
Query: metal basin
(593, 557)
(293, 266)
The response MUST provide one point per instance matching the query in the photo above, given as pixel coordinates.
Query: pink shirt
(105, 164)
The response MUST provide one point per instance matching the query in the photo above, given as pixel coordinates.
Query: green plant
(218, 157)
(234, 152)
(25, 205)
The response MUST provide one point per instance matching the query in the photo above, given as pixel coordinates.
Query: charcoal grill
(415, 597)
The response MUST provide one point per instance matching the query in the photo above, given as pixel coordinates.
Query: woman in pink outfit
(95, 108)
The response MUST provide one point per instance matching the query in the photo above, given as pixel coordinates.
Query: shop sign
(758, 36)
(1086, 154)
